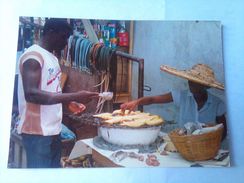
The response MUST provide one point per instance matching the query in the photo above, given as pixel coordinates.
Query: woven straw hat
(199, 73)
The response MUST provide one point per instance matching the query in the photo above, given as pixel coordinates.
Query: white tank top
(34, 118)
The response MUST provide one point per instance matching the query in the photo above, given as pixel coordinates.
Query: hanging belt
(77, 48)
(72, 51)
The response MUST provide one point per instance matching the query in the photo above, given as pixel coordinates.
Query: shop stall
(99, 57)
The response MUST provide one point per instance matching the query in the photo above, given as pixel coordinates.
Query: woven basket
(197, 147)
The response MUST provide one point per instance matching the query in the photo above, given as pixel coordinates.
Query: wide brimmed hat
(199, 73)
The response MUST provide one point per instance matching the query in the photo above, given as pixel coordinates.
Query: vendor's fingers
(123, 107)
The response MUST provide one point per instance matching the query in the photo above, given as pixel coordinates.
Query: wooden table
(102, 161)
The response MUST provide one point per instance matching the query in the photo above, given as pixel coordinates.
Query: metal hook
(147, 88)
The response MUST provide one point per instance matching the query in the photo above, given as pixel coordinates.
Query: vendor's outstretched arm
(132, 105)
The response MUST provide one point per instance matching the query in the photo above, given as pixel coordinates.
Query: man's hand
(86, 96)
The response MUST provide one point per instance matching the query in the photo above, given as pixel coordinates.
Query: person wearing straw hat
(195, 104)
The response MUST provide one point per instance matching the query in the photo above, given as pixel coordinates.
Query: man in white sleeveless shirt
(40, 96)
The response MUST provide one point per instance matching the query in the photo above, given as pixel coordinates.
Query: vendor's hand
(131, 106)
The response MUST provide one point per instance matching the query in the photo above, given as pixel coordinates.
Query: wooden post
(90, 31)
